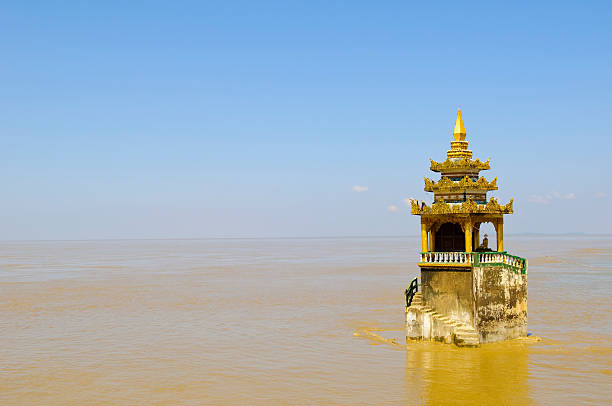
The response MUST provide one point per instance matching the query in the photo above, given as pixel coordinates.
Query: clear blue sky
(230, 119)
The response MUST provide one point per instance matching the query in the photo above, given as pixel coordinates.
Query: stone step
(468, 336)
(417, 299)
(466, 343)
(464, 334)
(471, 340)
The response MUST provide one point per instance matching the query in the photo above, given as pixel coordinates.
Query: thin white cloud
(600, 195)
(545, 199)
(360, 189)
(537, 199)
(392, 208)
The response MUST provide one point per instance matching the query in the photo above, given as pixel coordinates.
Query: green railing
(504, 259)
(493, 258)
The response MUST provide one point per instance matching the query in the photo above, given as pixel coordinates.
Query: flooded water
(284, 321)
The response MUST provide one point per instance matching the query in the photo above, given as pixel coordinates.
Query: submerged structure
(469, 294)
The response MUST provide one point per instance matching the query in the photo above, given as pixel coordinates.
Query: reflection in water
(438, 374)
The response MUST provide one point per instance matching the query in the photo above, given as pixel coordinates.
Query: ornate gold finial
(459, 147)
(459, 132)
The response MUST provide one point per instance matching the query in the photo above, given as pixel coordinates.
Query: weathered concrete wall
(449, 292)
(483, 304)
(423, 325)
(500, 296)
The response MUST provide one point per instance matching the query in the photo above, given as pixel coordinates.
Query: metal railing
(412, 289)
(504, 259)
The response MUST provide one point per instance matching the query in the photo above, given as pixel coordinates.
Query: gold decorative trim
(445, 185)
(459, 153)
(468, 207)
(464, 163)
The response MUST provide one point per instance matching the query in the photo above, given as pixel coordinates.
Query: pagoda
(469, 294)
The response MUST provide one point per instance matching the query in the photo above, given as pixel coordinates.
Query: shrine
(469, 294)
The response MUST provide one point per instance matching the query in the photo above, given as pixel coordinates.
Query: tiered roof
(445, 185)
(460, 189)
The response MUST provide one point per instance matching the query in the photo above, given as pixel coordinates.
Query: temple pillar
(500, 235)
(432, 239)
(476, 236)
(468, 237)
(424, 244)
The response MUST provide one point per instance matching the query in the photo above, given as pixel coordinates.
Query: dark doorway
(450, 237)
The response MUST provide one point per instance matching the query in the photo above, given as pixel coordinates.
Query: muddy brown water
(284, 321)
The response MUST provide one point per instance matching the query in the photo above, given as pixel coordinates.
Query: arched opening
(450, 237)
(486, 229)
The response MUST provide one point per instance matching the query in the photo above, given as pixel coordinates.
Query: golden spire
(459, 132)
(459, 147)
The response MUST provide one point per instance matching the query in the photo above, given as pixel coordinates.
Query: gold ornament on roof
(446, 185)
(459, 147)
(468, 207)
(468, 164)
(459, 132)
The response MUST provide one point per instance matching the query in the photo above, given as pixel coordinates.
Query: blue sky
(257, 119)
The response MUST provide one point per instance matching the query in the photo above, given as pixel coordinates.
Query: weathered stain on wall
(500, 297)
(488, 301)
(449, 292)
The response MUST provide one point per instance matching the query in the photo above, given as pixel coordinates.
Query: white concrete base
(424, 323)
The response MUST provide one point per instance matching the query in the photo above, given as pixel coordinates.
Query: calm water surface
(287, 321)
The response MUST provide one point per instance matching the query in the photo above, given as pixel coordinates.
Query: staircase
(440, 327)
(417, 299)
(466, 336)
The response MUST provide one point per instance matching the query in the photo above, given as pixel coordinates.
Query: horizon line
(527, 234)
